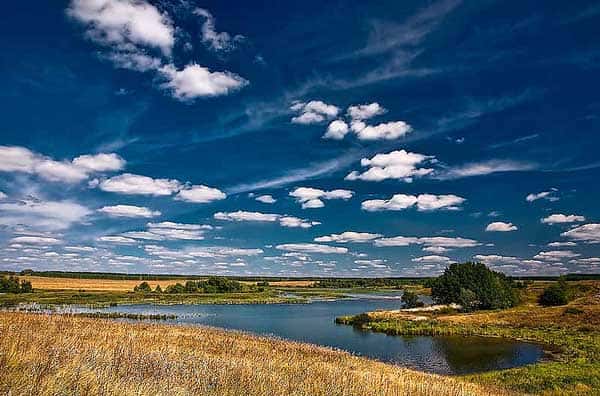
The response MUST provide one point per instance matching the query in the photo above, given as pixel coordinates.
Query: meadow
(65, 355)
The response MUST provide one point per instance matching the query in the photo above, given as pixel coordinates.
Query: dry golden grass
(41, 282)
(59, 355)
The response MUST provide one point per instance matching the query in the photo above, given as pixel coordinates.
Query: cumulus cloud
(23, 160)
(284, 221)
(500, 226)
(483, 168)
(195, 81)
(445, 242)
(45, 215)
(589, 233)
(128, 183)
(400, 165)
(132, 30)
(348, 236)
(312, 248)
(562, 244)
(336, 130)
(313, 112)
(423, 202)
(548, 195)
(384, 131)
(100, 162)
(268, 199)
(365, 111)
(313, 197)
(129, 211)
(562, 218)
(200, 194)
(216, 41)
(124, 22)
(556, 255)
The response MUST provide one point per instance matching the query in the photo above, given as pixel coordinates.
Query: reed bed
(65, 355)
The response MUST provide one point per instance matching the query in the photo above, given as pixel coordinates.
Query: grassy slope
(574, 330)
(49, 355)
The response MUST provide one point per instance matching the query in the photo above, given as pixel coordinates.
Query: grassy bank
(573, 331)
(53, 354)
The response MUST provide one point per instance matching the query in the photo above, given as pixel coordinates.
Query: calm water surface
(314, 323)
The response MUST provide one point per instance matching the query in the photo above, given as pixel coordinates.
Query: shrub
(143, 287)
(410, 299)
(555, 294)
(474, 286)
(11, 284)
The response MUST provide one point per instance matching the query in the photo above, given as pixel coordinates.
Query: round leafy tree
(474, 286)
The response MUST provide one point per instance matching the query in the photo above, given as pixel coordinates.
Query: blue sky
(300, 138)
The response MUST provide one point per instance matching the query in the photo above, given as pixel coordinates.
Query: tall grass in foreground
(62, 355)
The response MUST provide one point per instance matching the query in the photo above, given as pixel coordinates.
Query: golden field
(62, 355)
(45, 283)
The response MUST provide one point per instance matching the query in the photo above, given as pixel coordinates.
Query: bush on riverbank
(212, 285)
(555, 294)
(474, 286)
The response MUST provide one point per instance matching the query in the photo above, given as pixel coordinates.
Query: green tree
(158, 289)
(476, 284)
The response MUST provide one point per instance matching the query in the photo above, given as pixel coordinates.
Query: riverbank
(50, 354)
(572, 330)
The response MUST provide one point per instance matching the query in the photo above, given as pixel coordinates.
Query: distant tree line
(350, 283)
(213, 284)
(11, 284)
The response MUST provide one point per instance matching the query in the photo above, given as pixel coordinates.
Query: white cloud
(284, 221)
(445, 242)
(295, 222)
(241, 215)
(47, 215)
(100, 162)
(124, 22)
(21, 159)
(423, 202)
(137, 61)
(562, 244)
(312, 197)
(556, 255)
(548, 195)
(129, 211)
(144, 235)
(348, 236)
(366, 111)
(435, 249)
(313, 112)
(484, 168)
(2, 195)
(200, 194)
(35, 240)
(336, 130)
(494, 259)
(195, 81)
(432, 259)
(180, 226)
(312, 248)
(384, 131)
(116, 239)
(500, 226)
(400, 165)
(268, 199)
(214, 40)
(83, 249)
(561, 218)
(589, 233)
(128, 183)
